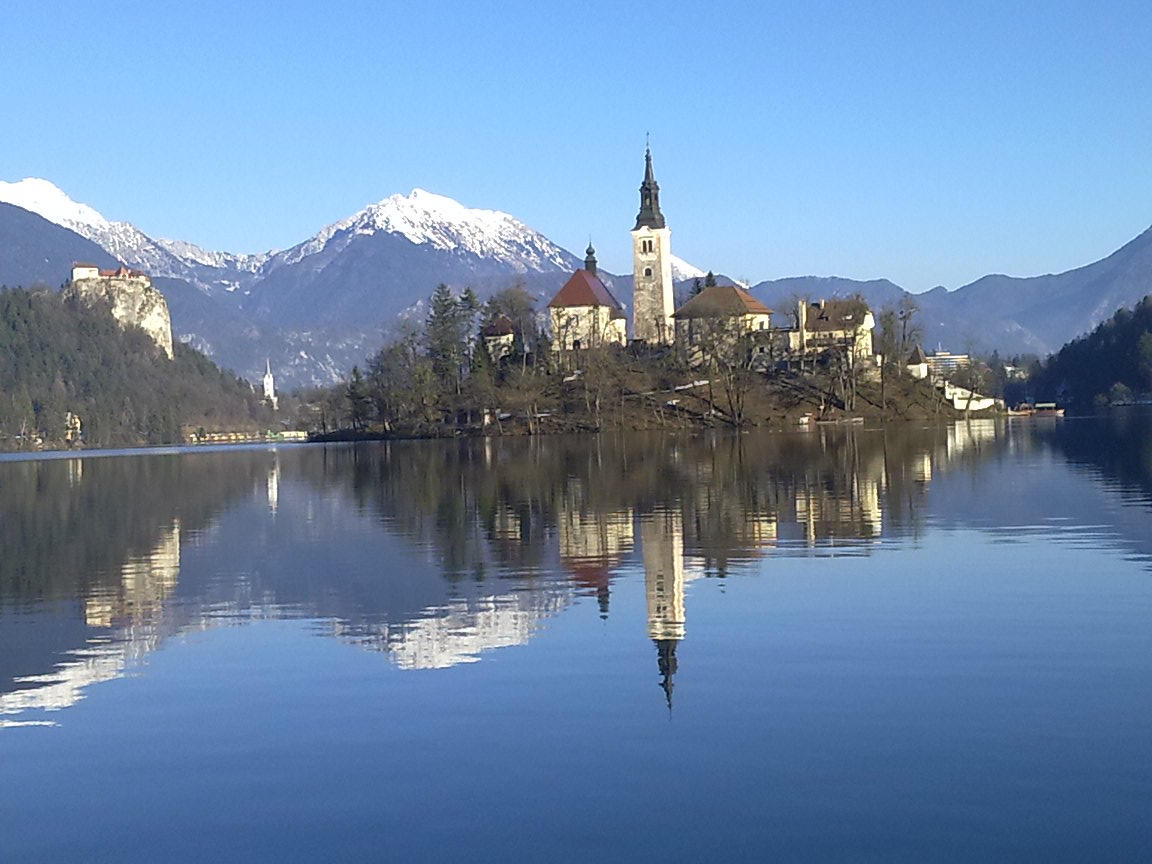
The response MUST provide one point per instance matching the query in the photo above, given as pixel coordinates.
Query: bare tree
(720, 345)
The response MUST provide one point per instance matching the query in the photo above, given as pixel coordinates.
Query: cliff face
(134, 302)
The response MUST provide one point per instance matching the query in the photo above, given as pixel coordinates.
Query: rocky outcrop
(134, 301)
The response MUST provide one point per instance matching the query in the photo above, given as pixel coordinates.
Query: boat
(841, 421)
(1039, 409)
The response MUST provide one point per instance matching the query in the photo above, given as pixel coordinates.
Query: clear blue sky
(928, 143)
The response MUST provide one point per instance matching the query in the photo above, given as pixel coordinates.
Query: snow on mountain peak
(444, 223)
(47, 200)
(122, 240)
(682, 270)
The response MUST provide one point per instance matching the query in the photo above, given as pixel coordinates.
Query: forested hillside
(1112, 363)
(57, 357)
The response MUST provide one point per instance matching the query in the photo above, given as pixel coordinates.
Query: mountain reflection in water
(839, 644)
(433, 553)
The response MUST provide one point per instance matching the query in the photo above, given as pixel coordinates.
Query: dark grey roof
(650, 215)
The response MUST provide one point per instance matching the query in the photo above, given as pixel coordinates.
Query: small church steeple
(270, 386)
(590, 259)
(649, 215)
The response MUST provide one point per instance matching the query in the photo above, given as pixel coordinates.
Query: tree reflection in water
(434, 552)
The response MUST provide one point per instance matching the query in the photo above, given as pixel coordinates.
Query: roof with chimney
(827, 315)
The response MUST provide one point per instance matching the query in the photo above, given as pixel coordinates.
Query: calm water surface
(838, 645)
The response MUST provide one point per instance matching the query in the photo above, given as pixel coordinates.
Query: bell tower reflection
(662, 539)
(272, 485)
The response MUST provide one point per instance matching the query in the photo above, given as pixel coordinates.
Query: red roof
(721, 301)
(121, 271)
(585, 289)
(501, 325)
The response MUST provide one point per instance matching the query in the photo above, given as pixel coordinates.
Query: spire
(650, 215)
(666, 659)
(590, 259)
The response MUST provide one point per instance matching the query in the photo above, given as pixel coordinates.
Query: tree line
(1113, 363)
(475, 364)
(59, 358)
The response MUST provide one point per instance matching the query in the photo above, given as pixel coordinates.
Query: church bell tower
(652, 303)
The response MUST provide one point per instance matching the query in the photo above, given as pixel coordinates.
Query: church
(584, 314)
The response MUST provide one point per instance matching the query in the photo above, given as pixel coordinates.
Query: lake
(843, 644)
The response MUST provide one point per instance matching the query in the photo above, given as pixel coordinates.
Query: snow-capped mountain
(321, 306)
(441, 223)
(121, 240)
(127, 243)
(683, 271)
(190, 253)
(366, 269)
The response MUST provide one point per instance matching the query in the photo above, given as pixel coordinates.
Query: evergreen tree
(1088, 369)
(359, 401)
(58, 358)
(446, 335)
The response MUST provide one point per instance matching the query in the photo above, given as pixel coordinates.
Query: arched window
(647, 271)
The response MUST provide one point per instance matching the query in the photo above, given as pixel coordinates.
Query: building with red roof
(584, 314)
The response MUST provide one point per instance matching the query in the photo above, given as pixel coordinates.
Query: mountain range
(324, 304)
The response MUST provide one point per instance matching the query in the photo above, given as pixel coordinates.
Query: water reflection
(662, 536)
(434, 553)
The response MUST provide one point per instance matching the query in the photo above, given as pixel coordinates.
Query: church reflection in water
(430, 553)
(662, 539)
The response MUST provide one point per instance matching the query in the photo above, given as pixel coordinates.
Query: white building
(270, 386)
(584, 314)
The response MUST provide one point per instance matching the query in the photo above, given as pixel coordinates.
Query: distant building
(499, 337)
(721, 317)
(584, 314)
(827, 324)
(918, 364)
(73, 428)
(270, 386)
(942, 364)
(85, 271)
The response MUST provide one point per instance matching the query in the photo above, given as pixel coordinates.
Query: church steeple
(270, 386)
(649, 215)
(666, 660)
(652, 301)
(590, 259)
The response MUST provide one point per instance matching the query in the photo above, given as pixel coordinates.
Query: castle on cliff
(134, 300)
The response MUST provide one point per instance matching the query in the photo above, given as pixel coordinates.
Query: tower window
(646, 246)
(647, 271)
